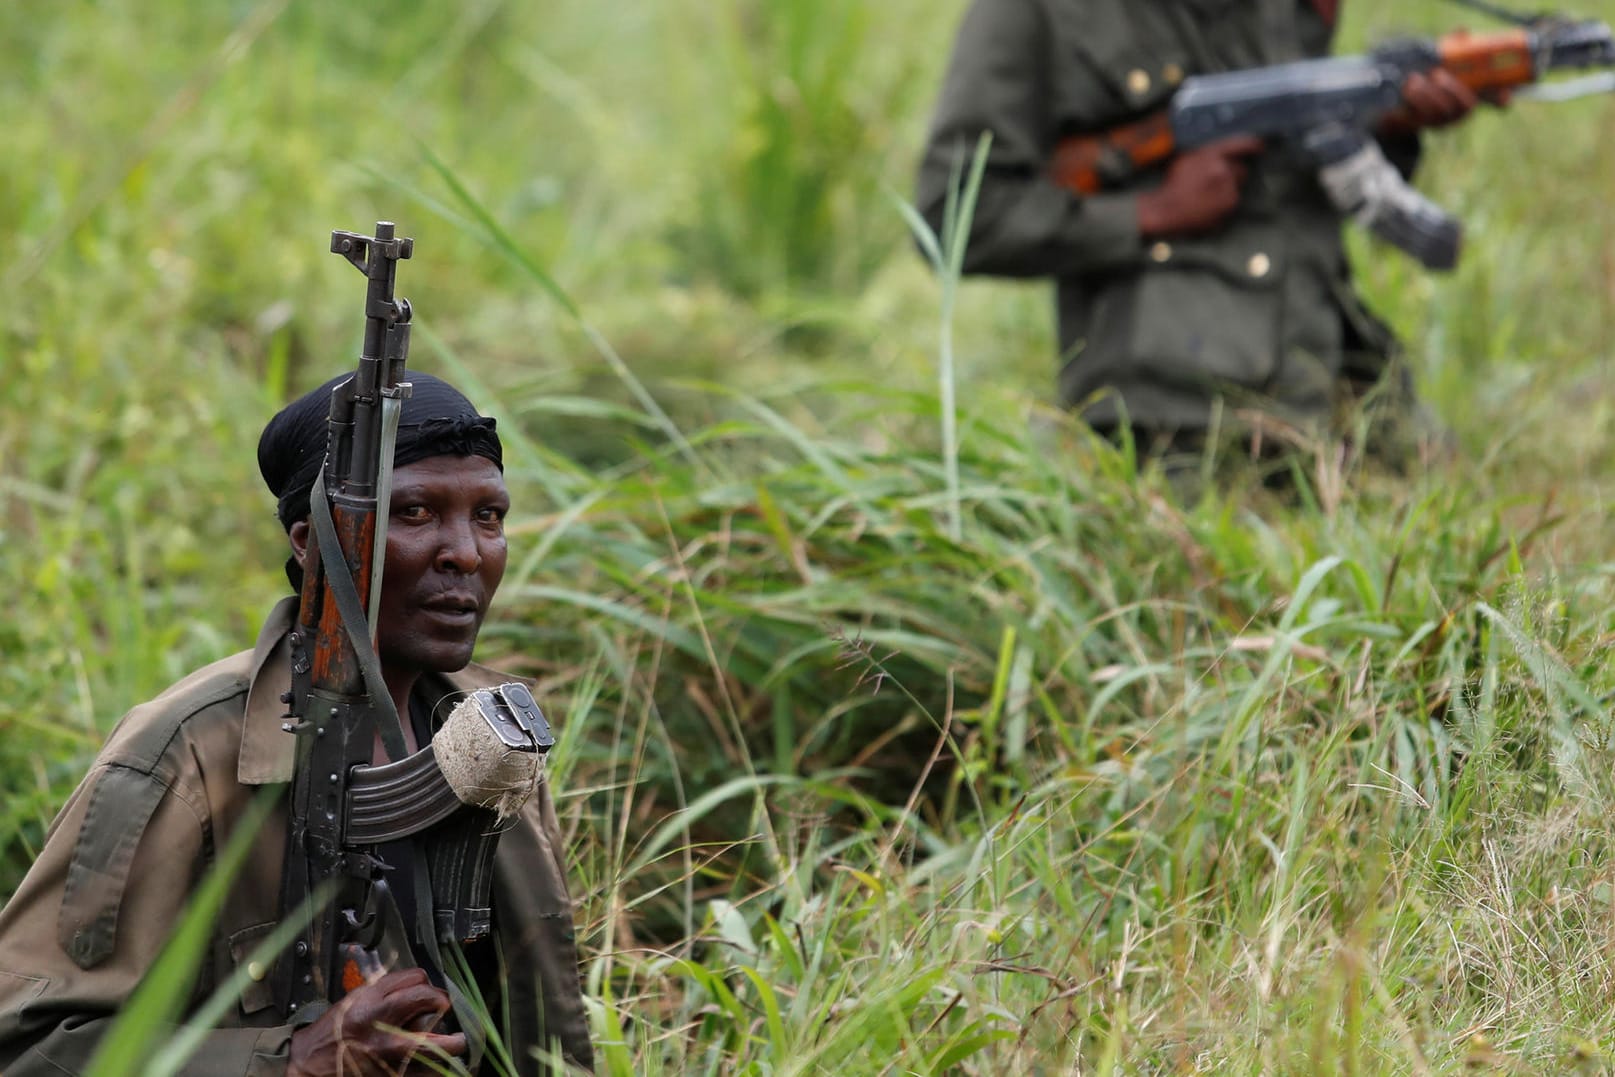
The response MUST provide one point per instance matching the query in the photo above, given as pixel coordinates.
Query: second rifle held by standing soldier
(1327, 110)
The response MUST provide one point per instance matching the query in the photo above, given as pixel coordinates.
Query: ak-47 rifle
(1327, 109)
(342, 807)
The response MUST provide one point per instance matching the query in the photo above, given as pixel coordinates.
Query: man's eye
(410, 512)
(491, 515)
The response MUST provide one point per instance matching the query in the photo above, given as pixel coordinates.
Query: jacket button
(1138, 82)
(1161, 251)
(1259, 265)
(256, 970)
(1172, 73)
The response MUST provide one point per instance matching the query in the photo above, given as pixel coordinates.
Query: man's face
(445, 558)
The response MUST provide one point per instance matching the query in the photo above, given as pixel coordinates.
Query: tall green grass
(889, 744)
(784, 206)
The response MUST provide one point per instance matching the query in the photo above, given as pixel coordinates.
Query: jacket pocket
(257, 994)
(1198, 321)
(1131, 52)
(1204, 315)
(17, 991)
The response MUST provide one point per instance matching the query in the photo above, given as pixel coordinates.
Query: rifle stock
(1087, 164)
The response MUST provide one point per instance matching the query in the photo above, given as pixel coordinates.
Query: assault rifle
(1328, 109)
(343, 809)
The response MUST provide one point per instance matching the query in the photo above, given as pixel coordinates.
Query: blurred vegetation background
(863, 769)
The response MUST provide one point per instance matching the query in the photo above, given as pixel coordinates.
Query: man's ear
(298, 534)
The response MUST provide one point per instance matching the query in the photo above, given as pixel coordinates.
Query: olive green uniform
(163, 798)
(1261, 310)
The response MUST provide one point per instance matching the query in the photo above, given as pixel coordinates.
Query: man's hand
(1201, 189)
(357, 1037)
(1435, 99)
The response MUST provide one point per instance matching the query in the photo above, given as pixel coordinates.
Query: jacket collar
(268, 751)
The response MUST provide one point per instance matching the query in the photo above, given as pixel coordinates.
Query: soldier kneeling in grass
(176, 779)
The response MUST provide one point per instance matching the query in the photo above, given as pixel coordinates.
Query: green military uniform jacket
(164, 796)
(1261, 311)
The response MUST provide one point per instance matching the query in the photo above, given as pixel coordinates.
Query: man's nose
(457, 548)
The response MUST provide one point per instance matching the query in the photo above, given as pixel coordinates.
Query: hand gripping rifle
(1327, 110)
(343, 808)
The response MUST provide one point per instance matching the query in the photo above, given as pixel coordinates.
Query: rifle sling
(340, 580)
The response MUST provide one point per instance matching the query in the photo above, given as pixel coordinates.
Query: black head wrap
(437, 420)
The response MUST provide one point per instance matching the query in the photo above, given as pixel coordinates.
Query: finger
(1237, 146)
(402, 984)
(1420, 97)
(397, 1048)
(428, 1064)
(424, 1022)
(412, 1020)
(414, 1006)
(1438, 97)
(407, 1057)
(1442, 112)
(1427, 98)
(1457, 100)
(1415, 87)
(396, 980)
(1450, 83)
(448, 1043)
(1442, 78)
(396, 1043)
(404, 1007)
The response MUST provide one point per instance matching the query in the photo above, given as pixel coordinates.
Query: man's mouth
(452, 608)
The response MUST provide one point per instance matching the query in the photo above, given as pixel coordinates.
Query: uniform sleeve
(113, 889)
(1000, 80)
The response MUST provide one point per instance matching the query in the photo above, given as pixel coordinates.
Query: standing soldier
(1204, 294)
